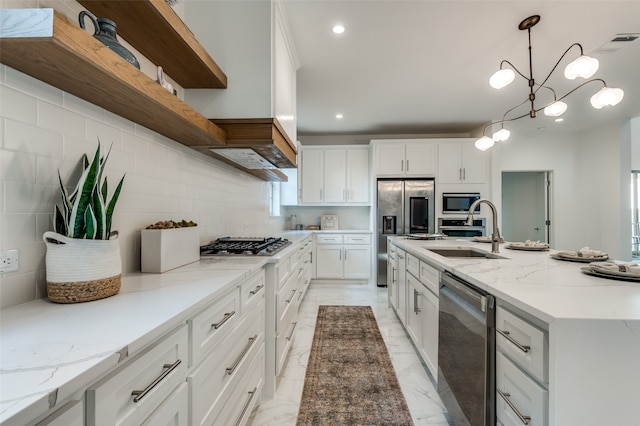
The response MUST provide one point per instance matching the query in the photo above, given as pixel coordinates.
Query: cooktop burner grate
(257, 246)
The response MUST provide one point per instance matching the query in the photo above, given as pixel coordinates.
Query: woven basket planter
(80, 270)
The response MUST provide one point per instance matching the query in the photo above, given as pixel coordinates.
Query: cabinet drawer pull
(223, 320)
(416, 294)
(246, 406)
(231, 369)
(506, 335)
(293, 329)
(357, 239)
(505, 396)
(293, 293)
(407, 165)
(257, 289)
(141, 394)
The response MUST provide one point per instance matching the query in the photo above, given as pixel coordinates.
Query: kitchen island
(593, 326)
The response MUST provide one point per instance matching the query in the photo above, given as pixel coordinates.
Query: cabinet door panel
(328, 261)
(335, 177)
(414, 311)
(312, 179)
(449, 163)
(357, 261)
(429, 349)
(358, 183)
(421, 159)
(389, 160)
(474, 164)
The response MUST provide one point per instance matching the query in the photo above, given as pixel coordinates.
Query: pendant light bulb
(583, 66)
(484, 143)
(607, 96)
(556, 109)
(501, 135)
(502, 78)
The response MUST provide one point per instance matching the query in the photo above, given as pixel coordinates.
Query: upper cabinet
(405, 157)
(459, 161)
(251, 41)
(335, 175)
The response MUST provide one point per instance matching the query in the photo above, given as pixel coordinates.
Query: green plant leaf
(86, 186)
(98, 208)
(90, 221)
(112, 205)
(59, 222)
(66, 204)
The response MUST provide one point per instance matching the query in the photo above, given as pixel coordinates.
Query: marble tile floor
(419, 390)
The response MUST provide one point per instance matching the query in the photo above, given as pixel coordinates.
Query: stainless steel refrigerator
(405, 206)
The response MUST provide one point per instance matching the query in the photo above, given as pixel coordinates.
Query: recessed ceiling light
(558, 120)
(338, 29)
(339, 116)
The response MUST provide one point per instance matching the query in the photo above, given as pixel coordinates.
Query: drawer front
(285, 338)
(212, 324)
(214, 378)
(357, 239)
(286, 300)
(251, 291)
(174, 411)
(518, 396)
(413, 265)
(430, 277)
(132, 393)
(283, 270)
(246, 396)
(328, 238)
(524, 344)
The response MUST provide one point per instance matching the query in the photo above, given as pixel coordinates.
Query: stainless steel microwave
(459, 203)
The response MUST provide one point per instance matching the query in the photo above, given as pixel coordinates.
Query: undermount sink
(464, 252)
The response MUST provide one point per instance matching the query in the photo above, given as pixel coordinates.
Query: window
(274, 199)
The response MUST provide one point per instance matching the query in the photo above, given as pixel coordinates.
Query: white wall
(45, 130)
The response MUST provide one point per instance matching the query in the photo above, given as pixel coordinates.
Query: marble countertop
(51, 351)
(547, 288)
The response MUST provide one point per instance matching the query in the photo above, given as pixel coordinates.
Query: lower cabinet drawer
(286, 301)
(212, 324)
(251, 291)
(246, 396)
(285, 338)
(72, 414)
(129, 395)
(174, 410)
(213, 379)
(518, 397)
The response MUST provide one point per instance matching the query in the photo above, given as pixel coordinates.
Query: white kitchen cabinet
(402, 286)
(459, 161)
(331, 175)
(405, 157)
(422, 311)
(173, 411)
(134, 391)
(311, 174)
(289, 189)
(343, 256)
(522, 370)
(392, 275)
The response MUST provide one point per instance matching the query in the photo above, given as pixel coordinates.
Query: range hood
(258, 146)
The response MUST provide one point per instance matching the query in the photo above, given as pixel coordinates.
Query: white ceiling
(422, 66)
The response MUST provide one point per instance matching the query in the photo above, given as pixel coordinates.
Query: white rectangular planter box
(165, 249)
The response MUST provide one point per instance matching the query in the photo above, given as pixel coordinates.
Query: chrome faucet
(495, 235)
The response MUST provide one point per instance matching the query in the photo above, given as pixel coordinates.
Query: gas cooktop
(249, 246)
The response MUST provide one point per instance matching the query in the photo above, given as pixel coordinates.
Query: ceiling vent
(617, 42)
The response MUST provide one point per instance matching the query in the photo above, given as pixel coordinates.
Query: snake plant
(86, 213)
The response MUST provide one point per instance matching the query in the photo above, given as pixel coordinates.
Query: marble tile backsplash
(45, 130)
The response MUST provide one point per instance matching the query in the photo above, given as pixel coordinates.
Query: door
(328, 261)
(357, 261)
(525, 206)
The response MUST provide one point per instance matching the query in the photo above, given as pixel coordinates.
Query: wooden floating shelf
(72, 60)
(156, 31)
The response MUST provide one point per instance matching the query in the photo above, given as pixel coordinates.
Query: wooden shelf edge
(77, 63)
(156, 31)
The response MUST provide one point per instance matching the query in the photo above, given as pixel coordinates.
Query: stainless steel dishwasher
(466, 352)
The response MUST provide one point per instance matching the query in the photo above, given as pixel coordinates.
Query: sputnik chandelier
(583, 67)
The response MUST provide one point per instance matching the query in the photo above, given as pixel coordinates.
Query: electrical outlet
(9, 260)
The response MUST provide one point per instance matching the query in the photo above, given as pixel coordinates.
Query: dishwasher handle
(464, 290)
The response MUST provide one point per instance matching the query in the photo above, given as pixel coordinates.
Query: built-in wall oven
(466, 351)
(459, 227)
